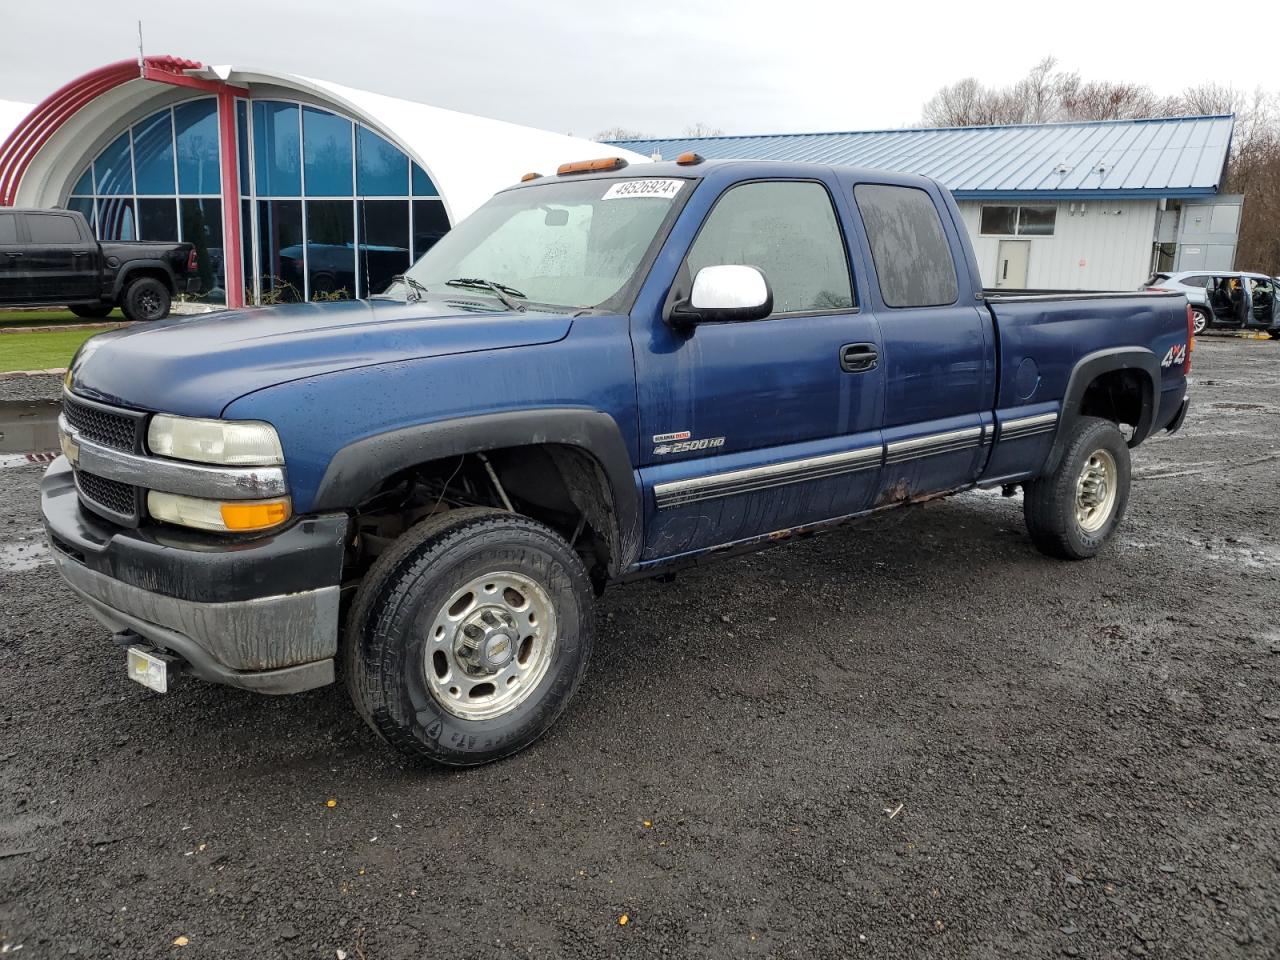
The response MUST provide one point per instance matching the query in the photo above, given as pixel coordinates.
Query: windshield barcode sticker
(648, 187)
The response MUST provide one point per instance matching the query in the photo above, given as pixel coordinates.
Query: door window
(8, 228)
(908, 245)
(52, 228)
(788, 231)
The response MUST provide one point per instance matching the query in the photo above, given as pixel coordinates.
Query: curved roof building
(291, 188)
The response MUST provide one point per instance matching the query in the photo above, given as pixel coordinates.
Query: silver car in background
(1233, 299)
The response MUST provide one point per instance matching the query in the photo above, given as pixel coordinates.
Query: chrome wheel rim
(1096, 491)
(490, 645)
(1198, 322)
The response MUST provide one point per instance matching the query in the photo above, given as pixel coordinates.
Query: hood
(196, 366)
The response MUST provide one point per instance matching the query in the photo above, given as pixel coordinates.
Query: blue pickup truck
(602, 374)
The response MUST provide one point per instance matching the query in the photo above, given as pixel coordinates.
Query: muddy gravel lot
(912, 738)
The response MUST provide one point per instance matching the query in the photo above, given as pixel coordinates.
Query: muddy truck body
(606, 373)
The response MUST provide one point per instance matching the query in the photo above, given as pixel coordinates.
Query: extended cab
(51, 258)
(601, 374)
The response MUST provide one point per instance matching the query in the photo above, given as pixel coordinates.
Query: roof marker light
(689, 159)
(591, 166)
(530, 176)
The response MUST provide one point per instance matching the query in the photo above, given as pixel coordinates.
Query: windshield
(565, 244)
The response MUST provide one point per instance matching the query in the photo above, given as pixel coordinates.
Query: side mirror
(723, 294)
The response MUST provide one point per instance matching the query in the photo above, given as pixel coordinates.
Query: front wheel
(145, 299)
(468, 637)
(1071, 512)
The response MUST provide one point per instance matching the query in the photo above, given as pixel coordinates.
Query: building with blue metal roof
(1095, 205)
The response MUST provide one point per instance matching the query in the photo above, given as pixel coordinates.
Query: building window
(363, 209)
(329, 208)
(1018, 221)
(161, 180)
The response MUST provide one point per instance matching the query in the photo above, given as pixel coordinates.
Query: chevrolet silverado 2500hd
(601, 374)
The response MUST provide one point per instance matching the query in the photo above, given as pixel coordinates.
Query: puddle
(1243, 553)
(25, 554)
(28, 426)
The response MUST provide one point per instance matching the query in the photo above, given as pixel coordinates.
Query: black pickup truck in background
(51, 258)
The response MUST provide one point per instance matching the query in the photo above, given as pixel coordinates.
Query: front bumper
(257, 614)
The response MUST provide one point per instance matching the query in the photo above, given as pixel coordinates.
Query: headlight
(233, 443)
(237, 516)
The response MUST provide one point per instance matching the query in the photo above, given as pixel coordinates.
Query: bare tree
(701, 129)
(621, 133)
(964, 103)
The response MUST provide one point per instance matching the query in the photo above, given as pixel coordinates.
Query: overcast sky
(746, 66)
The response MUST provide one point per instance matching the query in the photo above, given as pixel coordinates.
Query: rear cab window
(52, 228)
(909, 247)
(8, 228)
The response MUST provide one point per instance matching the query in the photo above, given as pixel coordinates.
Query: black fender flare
(357, 469)
(1087, 369)
(130, 267)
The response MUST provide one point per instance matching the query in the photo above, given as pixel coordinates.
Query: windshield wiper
(416, 289)
(500, 290)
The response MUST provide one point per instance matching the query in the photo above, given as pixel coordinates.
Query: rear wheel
(468, 637)
(145, 299)
(1199, 319)
(1072, 511)
(91, 311)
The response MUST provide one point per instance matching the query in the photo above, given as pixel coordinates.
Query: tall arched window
(338, 209)
(160, 180)
(330, 209)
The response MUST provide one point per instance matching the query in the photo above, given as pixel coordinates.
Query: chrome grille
(119, 498)
(118, 430)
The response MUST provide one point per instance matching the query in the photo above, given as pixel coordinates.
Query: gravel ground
(30, 387)
(1083, 759)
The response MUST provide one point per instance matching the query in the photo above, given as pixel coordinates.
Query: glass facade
(329, 208)
(338, 209)
(160, 180)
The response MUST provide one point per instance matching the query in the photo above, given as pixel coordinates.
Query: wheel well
(560, 485)
(1121, 396)
(154, 273)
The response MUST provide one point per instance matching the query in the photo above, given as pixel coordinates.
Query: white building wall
(11, 114)
(1102, 245)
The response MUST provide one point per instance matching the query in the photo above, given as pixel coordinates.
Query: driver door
(1262, 300)
(756, 427)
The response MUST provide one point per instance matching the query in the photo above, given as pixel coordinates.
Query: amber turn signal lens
(255, 516)
(689, 159)
(530, 176)
(591, 166)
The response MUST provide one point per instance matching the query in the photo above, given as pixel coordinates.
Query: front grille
(117, 430)
(119, 498)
